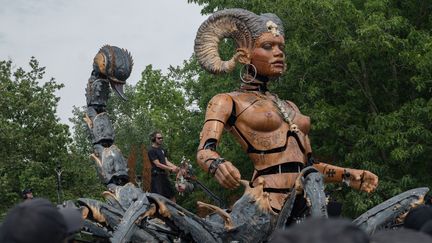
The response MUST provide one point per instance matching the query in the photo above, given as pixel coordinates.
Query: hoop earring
(247, 73)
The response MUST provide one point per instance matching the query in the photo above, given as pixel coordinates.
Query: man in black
(161, 166)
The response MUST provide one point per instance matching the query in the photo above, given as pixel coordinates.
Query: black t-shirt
(157, 154)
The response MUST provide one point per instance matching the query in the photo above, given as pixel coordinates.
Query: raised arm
(217, 114)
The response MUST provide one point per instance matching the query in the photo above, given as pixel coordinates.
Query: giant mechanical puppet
(271, 131)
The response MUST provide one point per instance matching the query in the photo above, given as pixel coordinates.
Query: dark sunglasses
(159, 137)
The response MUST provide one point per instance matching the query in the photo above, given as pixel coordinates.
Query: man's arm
(170, 167)
(173, 168)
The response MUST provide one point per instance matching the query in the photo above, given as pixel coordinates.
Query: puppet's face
(268, 55)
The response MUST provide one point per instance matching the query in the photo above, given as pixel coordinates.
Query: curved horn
(229, 23)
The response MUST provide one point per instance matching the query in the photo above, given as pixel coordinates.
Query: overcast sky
(65, 35)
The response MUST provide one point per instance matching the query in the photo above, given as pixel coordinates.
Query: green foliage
(159, 97)
(34, 142)
(32, 139)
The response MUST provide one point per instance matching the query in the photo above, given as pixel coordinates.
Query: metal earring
(247, 66)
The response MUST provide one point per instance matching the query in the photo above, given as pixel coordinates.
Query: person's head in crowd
(400, 236)
(27, 194)
(38, 220)
(320, 230)
(417, 217)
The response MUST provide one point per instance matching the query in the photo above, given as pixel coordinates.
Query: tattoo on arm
(331, 173)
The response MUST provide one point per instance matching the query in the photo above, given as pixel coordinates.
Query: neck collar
(259, 83)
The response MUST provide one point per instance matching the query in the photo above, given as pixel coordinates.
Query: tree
(34, 142)
(32, 139)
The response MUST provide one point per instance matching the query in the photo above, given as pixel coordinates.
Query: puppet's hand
(228, 175)
(363, 180)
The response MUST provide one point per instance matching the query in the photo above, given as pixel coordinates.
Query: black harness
(288, 167)
(251, 149)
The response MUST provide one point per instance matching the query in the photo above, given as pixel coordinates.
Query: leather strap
(288, 167)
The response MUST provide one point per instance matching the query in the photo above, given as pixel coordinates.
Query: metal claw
(118, 88)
